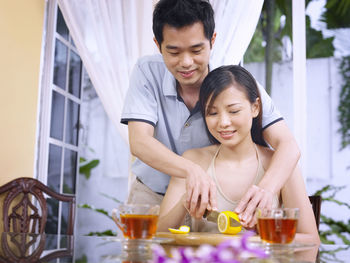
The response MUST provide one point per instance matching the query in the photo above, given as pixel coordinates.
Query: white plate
(155, 240)
(283, 248)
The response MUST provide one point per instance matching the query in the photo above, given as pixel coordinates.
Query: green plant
(334, 227)
(344, 102)
(107, 232)
(86, 166)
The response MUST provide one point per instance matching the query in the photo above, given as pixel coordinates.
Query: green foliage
(336, 228)
(98, 210)
(111, 198)
(344, 103)
(316, 45)
(86, 166)
(330, 255)
(104, 233)
(337, 14)
(255, 51)
(83, 259)
(101, 211)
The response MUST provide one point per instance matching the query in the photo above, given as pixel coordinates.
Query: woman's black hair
(222, 78)
(181, 13)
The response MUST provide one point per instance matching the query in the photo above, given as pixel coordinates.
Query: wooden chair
(30, 248)
(20, 215)
(316, 201)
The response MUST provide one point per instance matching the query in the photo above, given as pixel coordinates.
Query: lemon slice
(181, 230)
(224, 224)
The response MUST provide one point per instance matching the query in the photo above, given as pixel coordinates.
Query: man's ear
(212, 40)
(158, 46)
(256, 108)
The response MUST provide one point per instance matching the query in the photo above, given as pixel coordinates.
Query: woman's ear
(256, 107)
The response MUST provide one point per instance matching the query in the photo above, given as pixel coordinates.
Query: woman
(231, 105)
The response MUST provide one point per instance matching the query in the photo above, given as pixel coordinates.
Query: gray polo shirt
(152, 97)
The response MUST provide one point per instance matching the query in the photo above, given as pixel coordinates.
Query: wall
(21, 29)
(326, 163)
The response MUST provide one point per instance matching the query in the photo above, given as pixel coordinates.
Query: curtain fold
(110, 35)
(236, 21)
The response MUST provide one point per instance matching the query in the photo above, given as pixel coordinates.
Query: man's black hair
(180, 13)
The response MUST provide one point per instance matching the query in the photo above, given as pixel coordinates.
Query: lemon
(181, 230)
(224, 224)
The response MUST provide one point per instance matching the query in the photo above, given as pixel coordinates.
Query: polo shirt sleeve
(271, 114)
(140, 102)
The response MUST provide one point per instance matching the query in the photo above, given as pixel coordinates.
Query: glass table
(92, 249)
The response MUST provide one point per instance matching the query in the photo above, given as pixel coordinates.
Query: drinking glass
(277, 226)
(136, 221)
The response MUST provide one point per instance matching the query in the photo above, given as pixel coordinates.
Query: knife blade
(213, 215)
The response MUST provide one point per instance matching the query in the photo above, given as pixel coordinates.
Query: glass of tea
(277, 226)
(136, 221)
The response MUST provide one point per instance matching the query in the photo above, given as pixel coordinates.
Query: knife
(213, 215)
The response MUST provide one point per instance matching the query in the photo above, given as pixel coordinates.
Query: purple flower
(230, 251)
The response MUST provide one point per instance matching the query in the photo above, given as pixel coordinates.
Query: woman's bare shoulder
(201, 156)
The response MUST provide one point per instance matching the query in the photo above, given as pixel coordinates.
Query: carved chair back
(20, 215)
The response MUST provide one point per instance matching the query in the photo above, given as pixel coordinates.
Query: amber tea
(139, 226)
(280, 231)
(277, 226)
(136, 221)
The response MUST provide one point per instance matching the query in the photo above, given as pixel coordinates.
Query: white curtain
(110, 35)
(236, 21)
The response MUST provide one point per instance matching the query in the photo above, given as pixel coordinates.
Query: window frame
(46, 88)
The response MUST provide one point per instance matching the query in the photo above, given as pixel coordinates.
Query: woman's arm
(172, 210)
(294, 195)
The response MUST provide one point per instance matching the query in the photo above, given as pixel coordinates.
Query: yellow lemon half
(224, 224)
(180, 230)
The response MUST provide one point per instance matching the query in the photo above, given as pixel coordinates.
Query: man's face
(186, 53)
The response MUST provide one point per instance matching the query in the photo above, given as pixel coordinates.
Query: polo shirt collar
(169, 84)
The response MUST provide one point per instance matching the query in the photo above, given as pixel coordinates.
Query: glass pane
(51, 243)
(52, 216)
(61, 25)
(54, 169)
(72, 123)
(57, 116)
(60, 68)
(64, 220)
(74, 74)
(70, 170)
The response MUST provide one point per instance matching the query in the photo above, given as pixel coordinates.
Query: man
(164, 119)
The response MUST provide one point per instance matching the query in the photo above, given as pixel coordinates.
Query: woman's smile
(226, 135)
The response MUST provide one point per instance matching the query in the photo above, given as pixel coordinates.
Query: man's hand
(255, 197)
(200, 192)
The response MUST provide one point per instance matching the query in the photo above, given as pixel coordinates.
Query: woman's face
(230, 117)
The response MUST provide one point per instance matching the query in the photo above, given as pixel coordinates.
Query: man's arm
(152, 152)
(282, 165)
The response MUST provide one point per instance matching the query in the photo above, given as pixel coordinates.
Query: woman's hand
(254, 198)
